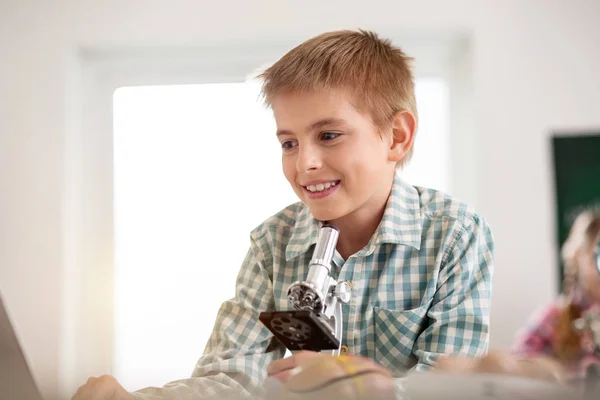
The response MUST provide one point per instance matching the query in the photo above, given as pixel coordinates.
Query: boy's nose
(308, 159)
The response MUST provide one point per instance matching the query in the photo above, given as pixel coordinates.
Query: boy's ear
(404, 125)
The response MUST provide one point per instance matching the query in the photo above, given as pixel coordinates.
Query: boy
(419, 262)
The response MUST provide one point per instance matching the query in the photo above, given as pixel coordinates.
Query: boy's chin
(326, 214)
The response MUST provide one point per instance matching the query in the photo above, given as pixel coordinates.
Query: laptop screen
(16, 380)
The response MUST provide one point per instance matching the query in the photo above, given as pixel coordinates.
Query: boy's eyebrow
(326, 122)
(316, 125)
(282, 132)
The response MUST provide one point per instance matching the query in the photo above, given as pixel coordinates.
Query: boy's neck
(357, 229)
(355, 239)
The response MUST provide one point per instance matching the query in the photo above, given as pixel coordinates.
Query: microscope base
(300, 330)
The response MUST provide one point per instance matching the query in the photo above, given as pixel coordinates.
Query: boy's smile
(320, 189)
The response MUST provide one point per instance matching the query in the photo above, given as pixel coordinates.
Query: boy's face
(333, 156)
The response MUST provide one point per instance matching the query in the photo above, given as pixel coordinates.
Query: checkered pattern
(420, 288)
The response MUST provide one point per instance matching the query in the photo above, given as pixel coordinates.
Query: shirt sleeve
(240, 348)
(459, 316)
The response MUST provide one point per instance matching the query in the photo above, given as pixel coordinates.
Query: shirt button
(344, 349)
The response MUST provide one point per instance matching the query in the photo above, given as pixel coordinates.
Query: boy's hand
(283, 368)
(308, 375)
(105, 387)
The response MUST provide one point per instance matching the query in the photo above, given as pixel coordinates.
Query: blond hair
(374, 73)
(583, 236)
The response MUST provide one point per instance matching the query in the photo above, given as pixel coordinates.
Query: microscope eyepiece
(328, 225)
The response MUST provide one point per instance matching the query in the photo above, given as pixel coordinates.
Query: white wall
(534, 69)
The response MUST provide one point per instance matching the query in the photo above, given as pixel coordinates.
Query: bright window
(196, 168)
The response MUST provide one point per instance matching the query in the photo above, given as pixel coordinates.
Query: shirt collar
(401, 224)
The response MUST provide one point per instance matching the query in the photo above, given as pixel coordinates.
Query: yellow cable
(351, 370)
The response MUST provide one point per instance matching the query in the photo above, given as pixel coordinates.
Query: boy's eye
(288, 144)
(329, 135)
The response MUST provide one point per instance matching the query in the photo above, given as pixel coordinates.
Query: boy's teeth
(320, 187)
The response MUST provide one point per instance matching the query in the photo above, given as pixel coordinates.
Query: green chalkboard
(577, 180)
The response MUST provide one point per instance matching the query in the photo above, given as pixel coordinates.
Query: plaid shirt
(421, 287)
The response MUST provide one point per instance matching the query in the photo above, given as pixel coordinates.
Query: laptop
(16, 380)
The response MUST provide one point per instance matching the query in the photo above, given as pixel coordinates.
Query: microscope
(315, 321)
